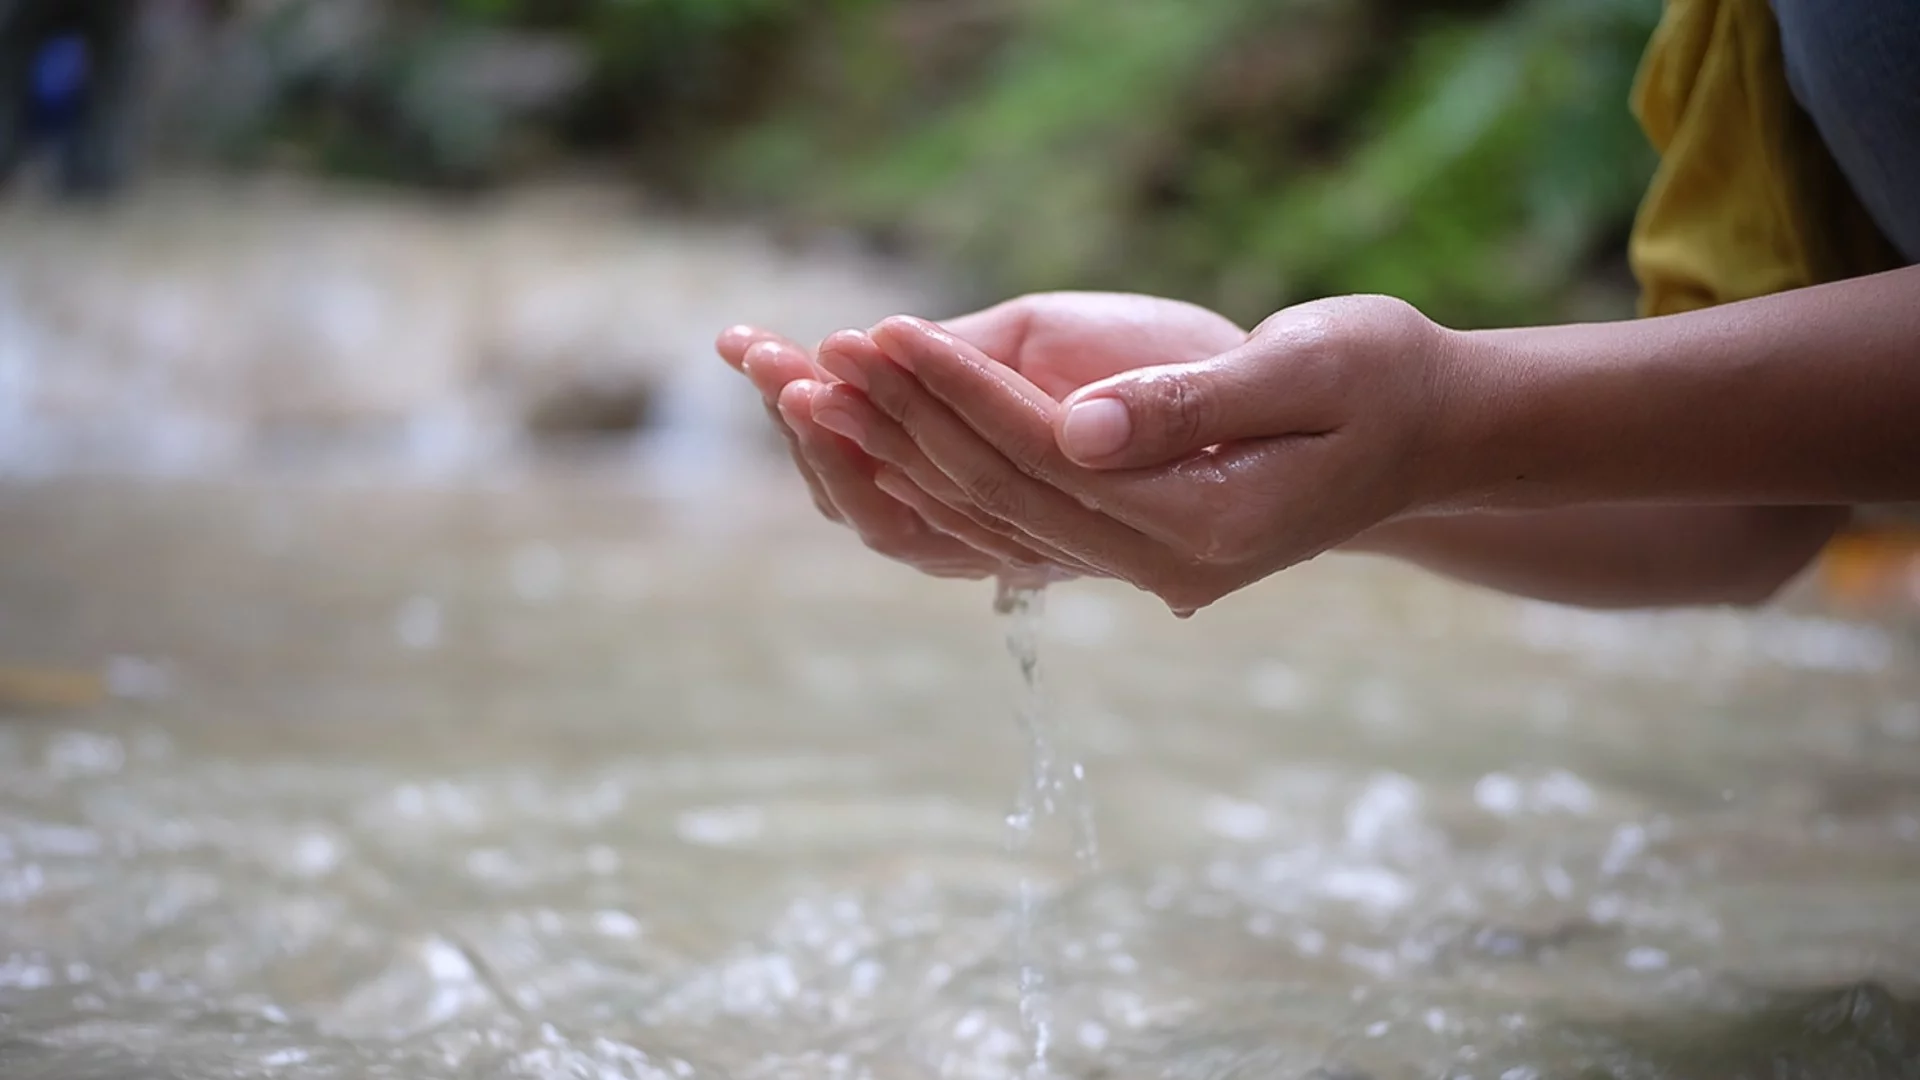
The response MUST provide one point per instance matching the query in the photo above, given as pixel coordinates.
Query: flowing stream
(547, 770)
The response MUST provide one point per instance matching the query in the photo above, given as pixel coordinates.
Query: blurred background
(418, 659)
(1475, 157)
(1472, 155)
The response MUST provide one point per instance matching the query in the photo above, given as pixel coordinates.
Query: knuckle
(994, 493)
(986, 522)
(893, 398)
(971, 512)
(1183, 411)
(890, 444)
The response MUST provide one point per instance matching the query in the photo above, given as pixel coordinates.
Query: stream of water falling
(1052, 787)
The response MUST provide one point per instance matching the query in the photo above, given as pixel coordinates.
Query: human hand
(1189, 479)
(1060, 341)
(839, 476)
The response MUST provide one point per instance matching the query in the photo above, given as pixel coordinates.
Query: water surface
(548, 775)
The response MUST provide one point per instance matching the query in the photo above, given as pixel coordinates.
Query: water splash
(1047, 791)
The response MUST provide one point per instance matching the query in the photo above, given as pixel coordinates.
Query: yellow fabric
(1746, 200)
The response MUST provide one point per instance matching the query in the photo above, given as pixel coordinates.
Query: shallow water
(419, 758)
(553, 776)
(201, 324)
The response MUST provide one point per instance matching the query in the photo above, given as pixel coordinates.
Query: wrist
(1536, 415)
(1468, 389)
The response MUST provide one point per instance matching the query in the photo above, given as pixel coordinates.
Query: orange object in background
(1873, 567)
(43, 689)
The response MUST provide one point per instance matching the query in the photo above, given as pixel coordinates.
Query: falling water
(1047, 790)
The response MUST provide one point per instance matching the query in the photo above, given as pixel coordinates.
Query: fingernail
(840, 423)
(844, 368)
(757, 362)
(1096, 428)
(890, 330)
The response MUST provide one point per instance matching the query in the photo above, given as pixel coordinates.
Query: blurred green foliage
(1477, 158)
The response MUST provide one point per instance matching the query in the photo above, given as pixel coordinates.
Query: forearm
(1807, 397)
(1617, 557)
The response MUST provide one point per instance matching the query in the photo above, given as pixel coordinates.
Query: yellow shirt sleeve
(1746, 200)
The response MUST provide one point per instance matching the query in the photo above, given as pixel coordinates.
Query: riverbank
(205, 325)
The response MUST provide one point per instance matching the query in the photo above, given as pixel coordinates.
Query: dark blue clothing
(1854, 66)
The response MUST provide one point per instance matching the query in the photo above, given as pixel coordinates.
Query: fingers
(849, 356)
(1000, 331)
(1012, 413)
(734, 342)
(846, 476)
(993, 483)
(839, 475)
(773, 363)
(847, 412)
(952, 522)
(954, 506)
(817, 490)
(1179, 507)
(1038, 560)
(921, 529)
(843, 475)
(1276, 385)
(843, 354)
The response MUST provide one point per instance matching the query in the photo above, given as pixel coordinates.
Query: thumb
(1157, 415)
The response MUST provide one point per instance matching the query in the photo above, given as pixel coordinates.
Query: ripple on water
(759, 881)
